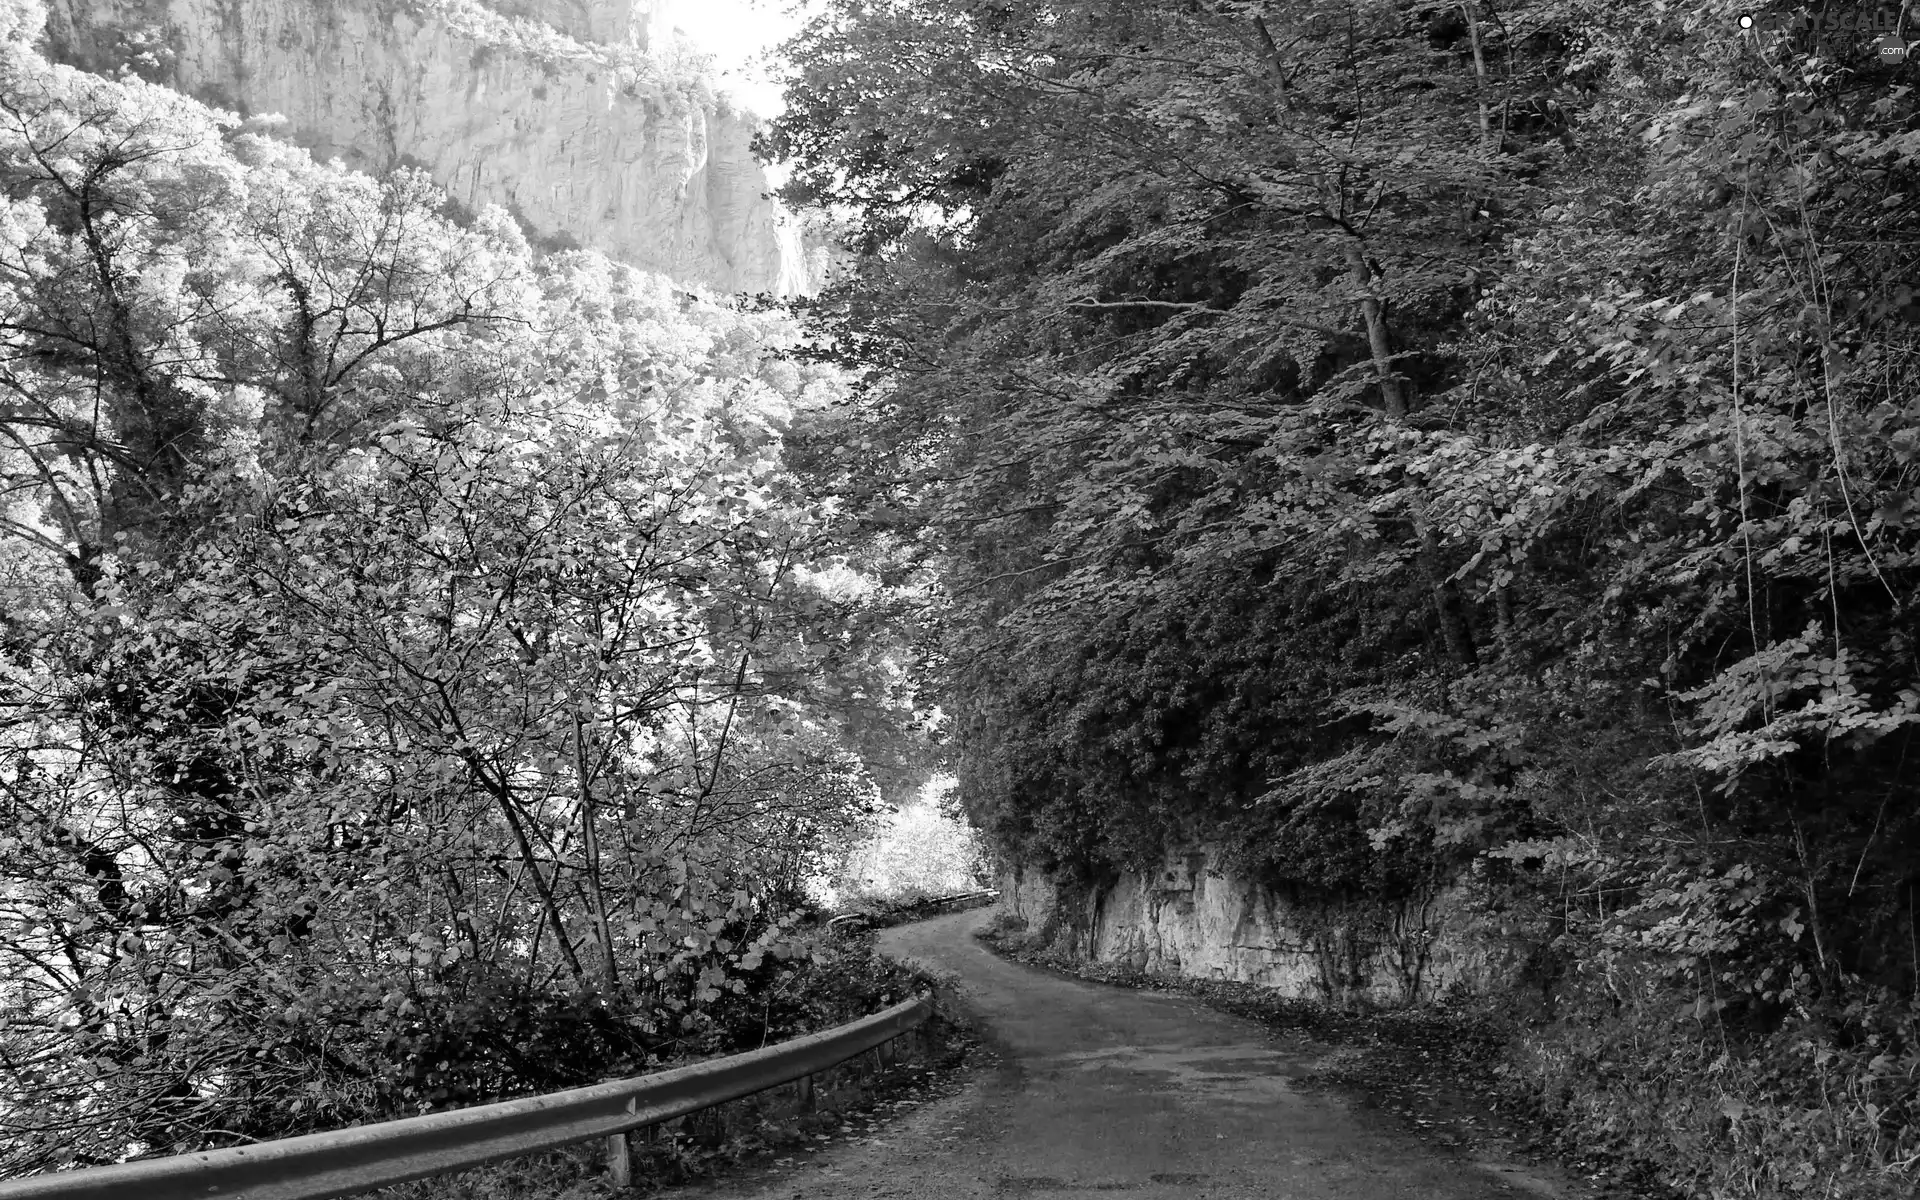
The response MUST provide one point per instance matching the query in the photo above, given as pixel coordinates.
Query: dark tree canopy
(1409, 442)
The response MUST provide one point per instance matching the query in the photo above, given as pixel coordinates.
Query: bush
(841, 981)
(1825, 1106)
(836, 984)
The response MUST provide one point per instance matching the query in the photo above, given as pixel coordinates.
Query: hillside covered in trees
(423, 675)
(1405, 442)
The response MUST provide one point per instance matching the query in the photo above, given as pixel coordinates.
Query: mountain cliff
(578, 115)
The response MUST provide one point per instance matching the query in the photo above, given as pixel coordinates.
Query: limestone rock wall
(564, 111)
(1193, 917)
(635, 21)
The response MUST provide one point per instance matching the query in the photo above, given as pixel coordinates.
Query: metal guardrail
(985, 894)
(924, 906)
(320, 1165)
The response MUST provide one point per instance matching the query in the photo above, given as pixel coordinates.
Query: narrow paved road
(1097, 1089)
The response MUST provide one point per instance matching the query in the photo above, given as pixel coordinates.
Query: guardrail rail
(924, 908)
(344, 1162)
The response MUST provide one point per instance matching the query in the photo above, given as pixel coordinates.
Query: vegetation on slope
(421, 674)
(1397, 438)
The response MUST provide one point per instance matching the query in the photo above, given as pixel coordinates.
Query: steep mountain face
(593, 20)
(571, 113)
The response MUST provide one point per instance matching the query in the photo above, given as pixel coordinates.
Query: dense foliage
(424, 679)
(1395, 439)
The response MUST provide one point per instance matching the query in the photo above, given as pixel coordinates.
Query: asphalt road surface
(1085, 1088)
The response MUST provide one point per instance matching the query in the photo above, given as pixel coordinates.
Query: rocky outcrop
(611, 21)
(1193, 917)
(568, 112)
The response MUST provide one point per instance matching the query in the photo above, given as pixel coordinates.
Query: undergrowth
(1823, 1106)
(843, 982)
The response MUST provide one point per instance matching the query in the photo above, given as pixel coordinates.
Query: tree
(1421, 443)
(1154, 292)
(414, 675)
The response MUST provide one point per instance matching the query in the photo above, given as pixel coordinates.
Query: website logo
(1836, 29)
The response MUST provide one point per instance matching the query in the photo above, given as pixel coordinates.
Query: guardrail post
(619, 1160)
(803, 1091)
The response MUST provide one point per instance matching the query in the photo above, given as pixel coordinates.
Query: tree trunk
(1479, 80)
(590, 847)
(1446, 598)
(541, 885)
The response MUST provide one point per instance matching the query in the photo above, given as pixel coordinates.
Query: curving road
(1089, 1088)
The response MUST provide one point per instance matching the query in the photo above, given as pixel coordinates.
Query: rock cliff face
(571, 113)
(609, 21)
(1194, 918)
